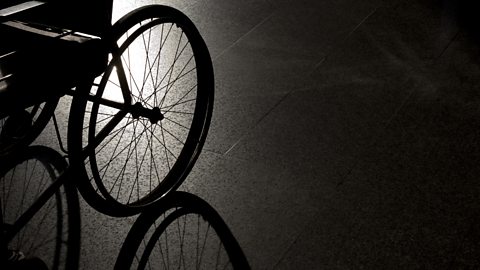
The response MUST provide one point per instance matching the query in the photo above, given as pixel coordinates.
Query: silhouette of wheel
(181, 231)
(162, 73)
(53, 232)
(20, 128)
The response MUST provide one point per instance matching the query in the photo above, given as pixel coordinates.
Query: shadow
(51, 233)
(465, 13)
(50, 48)
(41, 59)
(181, 231)
(114, 98)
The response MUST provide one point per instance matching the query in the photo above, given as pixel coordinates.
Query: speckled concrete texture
(344, 136)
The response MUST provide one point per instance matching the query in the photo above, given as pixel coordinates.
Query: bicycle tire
(152, 227)
(148, 182)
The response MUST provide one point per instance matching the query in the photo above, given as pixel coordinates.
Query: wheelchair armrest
(5, 12)
(56, 46)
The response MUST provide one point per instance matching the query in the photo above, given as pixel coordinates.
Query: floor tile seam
(261, 119)
(226, 96)
(279, 95)
(289, 248)
(342, 41)
(448, 45)
(376, 138)
(268, 17)
(307, 229)
(364, 20)
(206, 149)
(376, 141)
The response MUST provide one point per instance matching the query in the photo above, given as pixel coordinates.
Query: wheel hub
(154, 115)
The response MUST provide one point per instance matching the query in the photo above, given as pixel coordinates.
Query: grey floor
(344, 136)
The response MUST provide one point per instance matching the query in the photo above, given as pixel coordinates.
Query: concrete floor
(344, 136)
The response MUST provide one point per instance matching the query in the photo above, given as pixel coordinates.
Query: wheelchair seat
(40, 57)
(38, 61)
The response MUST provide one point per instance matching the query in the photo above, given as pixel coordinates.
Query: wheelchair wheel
(53, 233)
(20, 128)
(181, 232)
(159, 62)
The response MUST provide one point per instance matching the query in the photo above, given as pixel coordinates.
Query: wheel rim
(141, 160)
(184, 240)
(181, 231)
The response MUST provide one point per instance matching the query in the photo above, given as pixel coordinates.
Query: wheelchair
(141, 91)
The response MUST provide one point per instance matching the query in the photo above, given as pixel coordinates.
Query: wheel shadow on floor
(181, 231)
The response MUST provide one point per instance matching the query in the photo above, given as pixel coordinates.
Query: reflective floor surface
(344, 134)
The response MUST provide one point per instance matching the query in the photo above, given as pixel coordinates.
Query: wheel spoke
(178, 124)
(176, 104)
(115, 149)
(179, 101)
(122, 171)
(156, 62)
